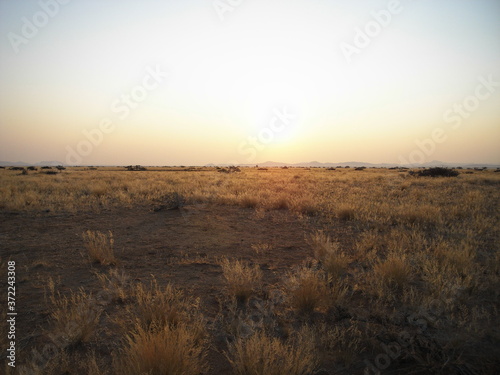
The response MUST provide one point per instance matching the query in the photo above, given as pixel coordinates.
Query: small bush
(436, 172)
(75, 317)
(100, 247)
(158, 307)
(261, 354)
(262, 247)
(172, 350)
(248, 201)
(394, 272)
(242, 279)
(307, 290)
(114, 285)
(321, 244)
(170, 201)
(329, 254)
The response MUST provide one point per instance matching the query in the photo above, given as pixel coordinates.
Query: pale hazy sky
(199, 81)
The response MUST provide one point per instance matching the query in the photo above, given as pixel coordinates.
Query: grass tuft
(329, 254)
(391, 275)
(157, 307)
(100, 247)
(242, 279)
(172, 350)
(261, 354)
(307, 289)
(75, 317)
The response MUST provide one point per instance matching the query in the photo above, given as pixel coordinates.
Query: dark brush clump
(436, 172)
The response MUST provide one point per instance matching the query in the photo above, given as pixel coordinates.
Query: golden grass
(100, 247)
(115, 286)
(262, 248)
(307, 289)
(75, 316)
(343, 342)
(391, 275)
(374, 195)
(242, 279)
(328, 252)
(172, 350)
(411, 242)
(159, 307)
(262, 354)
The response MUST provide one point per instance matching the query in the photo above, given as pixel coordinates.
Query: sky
(192, 82)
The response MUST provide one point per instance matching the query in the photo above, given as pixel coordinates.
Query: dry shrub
(115, 285)
(157, 307)
(248, 201)
(329, 254)
(281, 203)
(75, 317)
(424, 214)
(308, 289)
(336, 264)
(100, 247)
(370, 243)
(321, 244)
(346, 213)
(172, 350)
(304, 205)
(262, 247)
(261, 354)
(242, 279)
(344, 342)
(451, 272)
(459, 260)
(435, 172)
(392, 274)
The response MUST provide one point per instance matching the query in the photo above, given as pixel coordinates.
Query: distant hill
(23, 164)
(316, 164)
(310, 164)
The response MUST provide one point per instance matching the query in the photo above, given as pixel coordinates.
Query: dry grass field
(278, 271)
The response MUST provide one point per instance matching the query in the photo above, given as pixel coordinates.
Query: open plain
(257, 271)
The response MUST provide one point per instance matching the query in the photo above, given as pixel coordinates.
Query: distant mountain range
(317, 164)
(311, 164)
(23, 164)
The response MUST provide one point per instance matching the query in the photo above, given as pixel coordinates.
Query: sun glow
(228, 78)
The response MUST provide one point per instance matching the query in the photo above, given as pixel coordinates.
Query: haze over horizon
(197, 82)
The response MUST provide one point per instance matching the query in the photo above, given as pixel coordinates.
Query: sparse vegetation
(100, 247)
(159, 307)
(75, 316)
(230, 278)
(392, 274)
(436, 172)
(308, 289)
(262, 354)
(173, 350)
(327, 252)
(242, 279)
